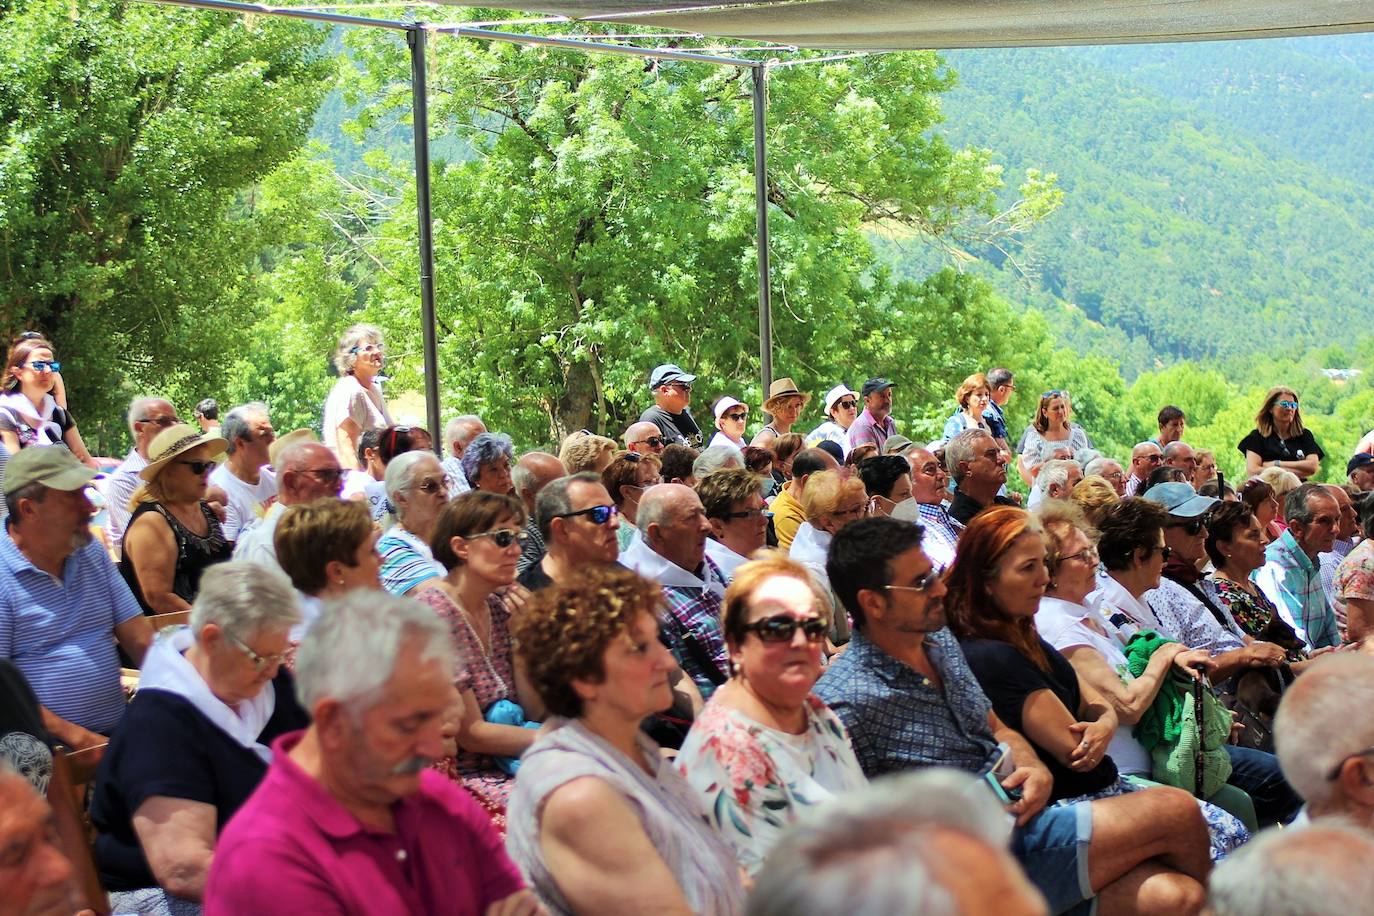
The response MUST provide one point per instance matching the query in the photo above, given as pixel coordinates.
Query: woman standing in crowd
(195, 741)
(626, 479)
(1279, 439)
(600, 822)
(973, 397)
(765, 748)
(355, 403)
(29, 410)
(1259, 498)
(785, 403)
(173, 534)
(478, 538)
(842, 408)
(731, 418)
(1050, 435)
(487, 461)
(417, 489)
(328, 548)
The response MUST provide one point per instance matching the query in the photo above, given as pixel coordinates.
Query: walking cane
(1198, 751)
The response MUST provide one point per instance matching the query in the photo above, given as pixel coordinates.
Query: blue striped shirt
(60, 632)
(406, 561)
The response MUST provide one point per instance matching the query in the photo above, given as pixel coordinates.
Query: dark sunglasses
(1054, 393)
(198, 467)
(1165, 552)
(502, 537)
(737, 417)
(652, 441)
(160, 422)
(783, 627)
(324, 475)
(599, 515)
(847, 404)
(1192, 527)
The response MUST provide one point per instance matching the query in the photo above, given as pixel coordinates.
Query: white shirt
(721, 439)
(349, 400)
(247, 502)
(1122, 613)
(457, 480)
(119, 488)
(810, 548)
(640, 557)
(725, 558)
(255, 543)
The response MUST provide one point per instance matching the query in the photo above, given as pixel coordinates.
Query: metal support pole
(419, 90)
(761, 211)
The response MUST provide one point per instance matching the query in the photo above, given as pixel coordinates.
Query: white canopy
(915, 24)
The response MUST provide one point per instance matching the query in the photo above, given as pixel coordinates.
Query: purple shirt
(866, 429)
(293, 848)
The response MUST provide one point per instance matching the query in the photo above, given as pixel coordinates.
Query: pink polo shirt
(293, 848)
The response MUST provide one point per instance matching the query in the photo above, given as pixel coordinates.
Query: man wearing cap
(457, 434)
(63, 604)
(1359, 472)
(785, 404)
(245, 477)
(1291, 574)
(875, 424)
(1001, 384)
(731, 418)
(644, 438)
(672, 388)
(147, 417)
(306, 471)
(898, 445)
(842, 407)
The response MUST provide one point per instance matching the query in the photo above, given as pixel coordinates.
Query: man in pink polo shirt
(350, 818)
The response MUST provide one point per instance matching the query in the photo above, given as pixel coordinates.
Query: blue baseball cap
(1180, 499)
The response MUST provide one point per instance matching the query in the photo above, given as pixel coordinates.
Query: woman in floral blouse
(765, 748)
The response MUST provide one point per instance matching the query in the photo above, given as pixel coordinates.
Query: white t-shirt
(246, 501)
(348, 399)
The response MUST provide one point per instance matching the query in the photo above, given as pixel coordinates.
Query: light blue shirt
(1293, 582)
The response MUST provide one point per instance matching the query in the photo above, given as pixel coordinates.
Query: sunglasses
(1193, 526)
(160, 422)
(433, 485)
(1055, 393)
(369, 348)
(198, 467)
(44, 365)
(652, 442)
(1291, 405)
(1164, 552)
(502, 537)
(260, 662)
(737, 417)
(847, 404)
(782, 628)
(599, 515)
(747, 513)
(324, 475)
(923, 584)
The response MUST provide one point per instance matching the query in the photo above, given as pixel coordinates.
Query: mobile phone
(1001, 769)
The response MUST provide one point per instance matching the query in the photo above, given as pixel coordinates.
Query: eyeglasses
(1336, 770)
(44, 365)
(160, 422)
(260, 662)
(857, 510)
(782, 628)
(198, 467)
(1192, 527)
(368, 348)
(324, 475)
(1154, 459)
(433, 485)
(1115, 475)
(652, 442)
(681, 386)
(599, 515)
(847, 404)
(501, 537)
(1291, 405)
(923, 584)
(1164, 552)
(747, 513)
(736, 417)
(1087, 555)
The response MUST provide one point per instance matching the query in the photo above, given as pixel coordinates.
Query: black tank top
(194, 553)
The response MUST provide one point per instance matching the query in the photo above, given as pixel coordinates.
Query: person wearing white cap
(841, 406)
(731, 418)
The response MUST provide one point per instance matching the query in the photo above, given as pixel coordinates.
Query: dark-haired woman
(1279, 438)
(30, 413)
(1050, 435)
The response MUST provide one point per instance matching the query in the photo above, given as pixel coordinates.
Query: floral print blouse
(756, 781)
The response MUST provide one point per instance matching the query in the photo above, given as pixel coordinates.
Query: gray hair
(1317, 871)
(138, 408)
(1086, 456)
(350, 651)
(872, 854)
(245, 599)
(1054, 473)
(554, 500)
(356, 336)
(1099, 464)
(656, 506)
(462, 428)
(999, 377)
(1297, 506)
(485, 449)
(36, 491)
(961, 449)
(237, 423)
(715, 458)
(400, 475)
(1324, 717)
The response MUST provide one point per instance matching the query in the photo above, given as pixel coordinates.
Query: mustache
(412, 765)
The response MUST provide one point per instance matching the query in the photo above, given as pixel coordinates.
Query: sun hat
(178, 440)
(304, 434)
(784, 388)
(53, 466)
(725, 403)
(834, 394)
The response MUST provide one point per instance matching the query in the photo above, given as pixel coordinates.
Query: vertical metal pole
(760, 99)
(419, 91)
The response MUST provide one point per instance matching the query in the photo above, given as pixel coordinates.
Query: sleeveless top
(194, 553)
(669, 810)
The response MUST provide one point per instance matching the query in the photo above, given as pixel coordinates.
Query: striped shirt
(1293, 582)
(60, 632)
(406, 561)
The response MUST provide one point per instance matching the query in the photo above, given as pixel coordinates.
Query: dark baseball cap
(874, 385)
(1362, 460)
(666, 373)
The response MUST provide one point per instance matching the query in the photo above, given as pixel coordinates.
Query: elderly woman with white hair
(487, 462)
(715, 458)
(355, 403)
(417, 489)
(194, 743)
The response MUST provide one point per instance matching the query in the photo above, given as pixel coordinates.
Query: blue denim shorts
(1053, 849)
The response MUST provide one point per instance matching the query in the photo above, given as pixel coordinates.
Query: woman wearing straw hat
(173, 534)
(785, 402)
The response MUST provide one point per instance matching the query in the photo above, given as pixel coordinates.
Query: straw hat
(176, 441)
(784, 388)
(304, 434)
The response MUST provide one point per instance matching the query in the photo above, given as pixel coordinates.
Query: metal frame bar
(416, 39)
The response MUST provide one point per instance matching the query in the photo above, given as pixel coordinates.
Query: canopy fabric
(881, 25)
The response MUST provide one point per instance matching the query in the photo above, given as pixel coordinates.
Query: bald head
(307, 471)
(1325, 721)
(1320, 870)
(637, 436)
(532, 472)
(674, 524)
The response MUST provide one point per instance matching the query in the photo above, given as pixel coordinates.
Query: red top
(293, 848)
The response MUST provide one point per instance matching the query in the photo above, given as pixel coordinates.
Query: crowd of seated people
(662, 678)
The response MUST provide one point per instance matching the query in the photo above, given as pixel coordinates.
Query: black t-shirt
(1008, 677)
(164, 746)
(1273, 448)
(962, 508)
(677, 428)
(535, 578)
